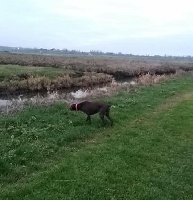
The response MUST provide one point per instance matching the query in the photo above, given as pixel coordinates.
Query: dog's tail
(109, 104)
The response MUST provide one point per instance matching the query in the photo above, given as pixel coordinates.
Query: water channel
(73, 93)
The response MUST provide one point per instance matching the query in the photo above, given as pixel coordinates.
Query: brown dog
(91, 108)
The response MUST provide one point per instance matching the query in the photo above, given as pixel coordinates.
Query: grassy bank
(50, 153)
(29, 78)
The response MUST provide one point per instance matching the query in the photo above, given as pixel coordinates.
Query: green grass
(50, 153)
(9, 71)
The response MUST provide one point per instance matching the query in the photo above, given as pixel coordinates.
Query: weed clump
(149, 79)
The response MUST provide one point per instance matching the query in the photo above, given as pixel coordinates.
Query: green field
(50, 153)
(10, 71)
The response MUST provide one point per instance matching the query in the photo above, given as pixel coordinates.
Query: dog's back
(91, 108)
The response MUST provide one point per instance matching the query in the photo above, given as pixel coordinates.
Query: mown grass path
(148, 154)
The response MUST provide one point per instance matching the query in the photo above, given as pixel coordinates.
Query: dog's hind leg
(110, 119)
(88, 119)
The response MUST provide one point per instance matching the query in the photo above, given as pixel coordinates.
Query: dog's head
(73, 107)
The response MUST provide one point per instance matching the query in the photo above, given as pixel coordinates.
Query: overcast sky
(128, 26)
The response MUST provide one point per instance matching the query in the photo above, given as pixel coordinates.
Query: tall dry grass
(114, 66)
(39, 83)
(149, 79)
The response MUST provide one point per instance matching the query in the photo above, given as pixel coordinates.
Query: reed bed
(149, 79)
(67, 72)
(43, 83)
(115, 66)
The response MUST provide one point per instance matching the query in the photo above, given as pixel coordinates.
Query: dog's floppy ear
(72, 107)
